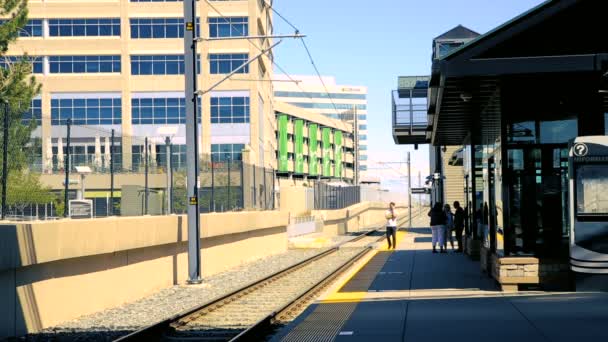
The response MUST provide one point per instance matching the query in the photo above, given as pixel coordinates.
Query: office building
(325, 96)
(119, 65)
(313, 146)
(514, 99)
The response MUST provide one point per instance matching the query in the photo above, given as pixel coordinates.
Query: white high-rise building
(330, 99)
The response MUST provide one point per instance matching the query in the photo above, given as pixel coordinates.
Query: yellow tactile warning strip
(331, 313)
(355, 286)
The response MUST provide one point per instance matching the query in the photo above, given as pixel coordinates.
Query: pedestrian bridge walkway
(411, 294)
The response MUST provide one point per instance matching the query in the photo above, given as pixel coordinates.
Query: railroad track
(250, 312)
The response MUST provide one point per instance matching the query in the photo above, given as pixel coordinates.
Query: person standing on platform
(448, 228)
(391, 226)
(438, 220)
(458, 224)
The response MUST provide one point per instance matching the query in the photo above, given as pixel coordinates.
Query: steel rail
(154, 332)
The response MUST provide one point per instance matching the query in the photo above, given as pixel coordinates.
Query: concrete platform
(412, 294)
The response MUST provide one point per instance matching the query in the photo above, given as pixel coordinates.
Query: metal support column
(192, 157)
(146, 169)
(409, 187)
(66, 204)
(169, 176)
(5, 157)
(229, 192)
(111, 211)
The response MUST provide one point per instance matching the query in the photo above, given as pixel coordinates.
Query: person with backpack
(438, 220)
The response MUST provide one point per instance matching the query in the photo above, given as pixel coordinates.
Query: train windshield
(592, 190)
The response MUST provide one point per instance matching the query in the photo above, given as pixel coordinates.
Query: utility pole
(112, 174)
(409, 186)
(146, 167)
(419, 195)
(66, 205)
(5, 156)
(356, 144)
(169, 176)
(191, 75)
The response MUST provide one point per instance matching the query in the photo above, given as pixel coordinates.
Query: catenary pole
(146, 170)
(169, 175)
(192, 157)
(5, 157)
(112, 174)
(409, 186)
(66, 205)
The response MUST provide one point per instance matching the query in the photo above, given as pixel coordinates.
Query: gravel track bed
(363, 242)
(228, 320)
(115, 322)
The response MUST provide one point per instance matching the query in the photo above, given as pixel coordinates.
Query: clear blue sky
(372, 43)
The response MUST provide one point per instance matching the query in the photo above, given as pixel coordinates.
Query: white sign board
(81, 209)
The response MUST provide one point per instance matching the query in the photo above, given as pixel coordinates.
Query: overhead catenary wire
(281, 69)
(312, 61)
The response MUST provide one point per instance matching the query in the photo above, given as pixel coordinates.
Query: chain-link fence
(111, 174)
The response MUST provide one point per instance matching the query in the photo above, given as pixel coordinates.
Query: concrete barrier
(55, 271)
(51, 272)
(357, 217)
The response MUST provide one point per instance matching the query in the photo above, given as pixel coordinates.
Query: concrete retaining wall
(51, 272)
(357, 217)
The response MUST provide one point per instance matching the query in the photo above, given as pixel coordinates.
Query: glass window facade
(33, 28)
(35, 113)
(335, 96)
(230, 109)
(37, 62)
(228, 27)
(158, 111)
(157, 65)
(84, 27)
(84, 64)
(94, 110)
(158, 28)
(225, 152)
(340, 106)
(225, 63)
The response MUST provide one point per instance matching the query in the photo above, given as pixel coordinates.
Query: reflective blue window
(33, 28)
(157, 65)
(84, 27)
(225, 63)
(37, 63)
(228, 27)
(225, 152)
(230, 109)
(35, 113)
(362, 127)
(86, 111)
(363, 137)
(158, 111)
(363, 168)
(158, 28)
(84, 64)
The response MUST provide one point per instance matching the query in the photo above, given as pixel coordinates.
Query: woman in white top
(391, 226)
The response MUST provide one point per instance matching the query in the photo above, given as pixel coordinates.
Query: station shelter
(513, 99)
